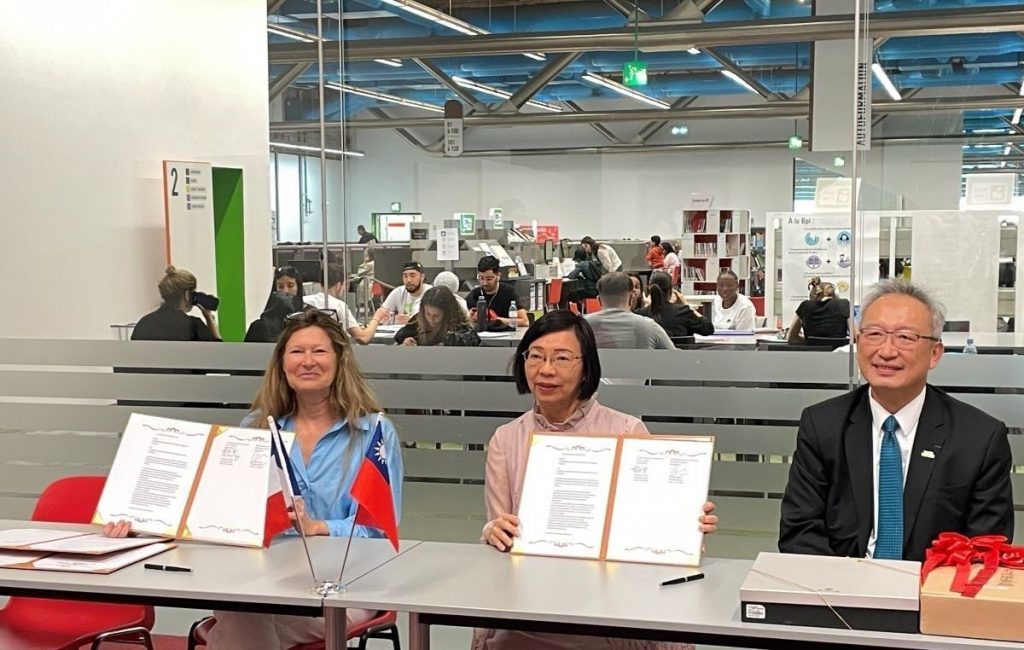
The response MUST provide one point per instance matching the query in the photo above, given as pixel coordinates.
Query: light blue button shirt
(326, 482)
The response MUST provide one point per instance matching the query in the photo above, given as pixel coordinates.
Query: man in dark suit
(881, 471)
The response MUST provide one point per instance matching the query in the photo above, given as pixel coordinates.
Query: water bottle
(513, 316)
(481, 313)
(969, 347)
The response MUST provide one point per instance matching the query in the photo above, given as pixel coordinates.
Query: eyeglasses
(902, 339)
(482, 277)
(560, 360)
(330, 313)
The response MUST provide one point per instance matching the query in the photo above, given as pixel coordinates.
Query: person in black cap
(404, 301)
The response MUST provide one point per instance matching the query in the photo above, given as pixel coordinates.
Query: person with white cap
(451, 282)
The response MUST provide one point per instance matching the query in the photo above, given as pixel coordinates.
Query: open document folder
(187, 480)
(76, 551)
(626, 498)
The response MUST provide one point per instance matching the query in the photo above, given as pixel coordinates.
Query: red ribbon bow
(954, 549)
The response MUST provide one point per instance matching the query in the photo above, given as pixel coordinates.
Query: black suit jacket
(828, 508)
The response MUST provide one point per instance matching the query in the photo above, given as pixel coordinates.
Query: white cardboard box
(822, 591)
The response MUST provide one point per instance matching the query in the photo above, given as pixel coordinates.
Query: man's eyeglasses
(560, 360)
(902, 339)
(323, 312)
(481, 277)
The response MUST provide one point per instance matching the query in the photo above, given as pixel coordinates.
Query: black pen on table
(168, 567)
(679, 581)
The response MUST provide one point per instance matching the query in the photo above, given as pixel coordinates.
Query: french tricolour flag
(372, 490)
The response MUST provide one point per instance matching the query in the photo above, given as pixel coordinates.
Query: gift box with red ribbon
(973, 587)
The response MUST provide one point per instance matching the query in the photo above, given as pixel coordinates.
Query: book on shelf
(697, 221)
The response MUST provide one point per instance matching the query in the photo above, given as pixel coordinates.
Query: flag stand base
(328, 587)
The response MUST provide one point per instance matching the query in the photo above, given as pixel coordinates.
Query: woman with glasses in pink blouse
(557, 362)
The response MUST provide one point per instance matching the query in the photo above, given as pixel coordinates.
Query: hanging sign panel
(188, 219)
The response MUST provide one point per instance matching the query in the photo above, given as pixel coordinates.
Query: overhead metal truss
(775, 110)
(655, 35)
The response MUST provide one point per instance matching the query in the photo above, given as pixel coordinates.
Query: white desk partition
(472, 585)
(62, 406)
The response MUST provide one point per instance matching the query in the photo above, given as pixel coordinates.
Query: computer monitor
(310, 270)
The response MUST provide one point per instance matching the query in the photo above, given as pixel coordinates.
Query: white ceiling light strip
(740, 80)
(451, 22)
(288, 32)
(886, 82)
(394, 63)
(384, 97)
(303, 147)
(625, 90)
(503, 94)
(1016, 116)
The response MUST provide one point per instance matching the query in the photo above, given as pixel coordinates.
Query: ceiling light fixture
(886, 82)
(394, 63)
(738, 79)
(625, 90)
(1007, 150)
(303, 147)
(504, 94)
(451, 22)
(1016, 116)
(384, 97)
(694, 50)
(288, 32)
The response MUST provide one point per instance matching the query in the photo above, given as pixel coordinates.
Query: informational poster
(188, 219)
(447, 244)
(821, 245)
(956, 255)
(989, 189)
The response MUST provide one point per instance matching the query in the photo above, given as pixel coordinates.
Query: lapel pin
(927, 453)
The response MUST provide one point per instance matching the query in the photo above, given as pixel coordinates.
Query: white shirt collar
(908, 416)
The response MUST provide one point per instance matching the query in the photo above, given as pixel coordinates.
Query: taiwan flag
(372, 490)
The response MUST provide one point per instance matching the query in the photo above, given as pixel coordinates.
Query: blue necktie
(889, 543)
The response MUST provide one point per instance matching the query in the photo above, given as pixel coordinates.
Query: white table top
(474, 580)
(224, 577)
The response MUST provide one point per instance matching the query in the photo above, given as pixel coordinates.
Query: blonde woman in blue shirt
(314, 387)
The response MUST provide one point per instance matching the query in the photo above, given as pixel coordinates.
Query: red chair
(591, 305)
(382, 626)
(50, 624)
(574, 308)
(554, 294)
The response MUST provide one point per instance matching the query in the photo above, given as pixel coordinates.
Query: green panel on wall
(229, 235)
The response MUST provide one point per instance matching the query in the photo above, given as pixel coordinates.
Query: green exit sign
(634, 73)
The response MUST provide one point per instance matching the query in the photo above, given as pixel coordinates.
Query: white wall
(95, 96)
(610, 195)
(624, 195)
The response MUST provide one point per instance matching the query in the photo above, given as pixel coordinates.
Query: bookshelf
(713, 240)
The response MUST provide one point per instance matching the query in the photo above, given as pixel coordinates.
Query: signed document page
(661, 487)
(564, 503)
(153, 473)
